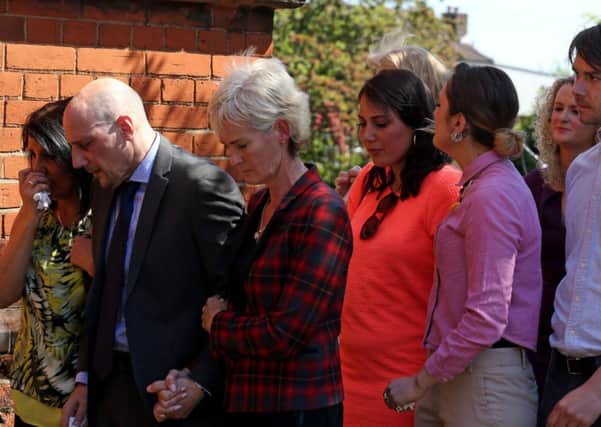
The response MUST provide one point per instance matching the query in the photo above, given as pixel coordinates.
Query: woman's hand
(177, 395)
(76, 406)
(30, 183)
(345, 180)
(214, 305)
(406, 390)
(401, 392)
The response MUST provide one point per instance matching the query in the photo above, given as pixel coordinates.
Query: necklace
(261, 228)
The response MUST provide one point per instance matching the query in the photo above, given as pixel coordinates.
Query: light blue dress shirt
(576, 321)
(141, 175)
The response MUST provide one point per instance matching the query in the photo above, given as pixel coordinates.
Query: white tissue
(43, 200)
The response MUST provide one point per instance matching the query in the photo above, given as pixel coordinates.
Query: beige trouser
(497, 389)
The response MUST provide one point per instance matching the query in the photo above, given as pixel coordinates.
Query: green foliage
(325, 45)
(592, 18)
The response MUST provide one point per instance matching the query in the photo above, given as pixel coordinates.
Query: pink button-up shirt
(487, 282)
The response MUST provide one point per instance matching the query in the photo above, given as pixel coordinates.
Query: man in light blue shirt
(572, 393)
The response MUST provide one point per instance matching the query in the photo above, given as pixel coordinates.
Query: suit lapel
(150, 207)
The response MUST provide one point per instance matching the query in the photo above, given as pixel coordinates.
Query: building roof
(468, 53)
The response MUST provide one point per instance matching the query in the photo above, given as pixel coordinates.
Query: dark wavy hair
(587, 44)
(406, 95)
(45, 125)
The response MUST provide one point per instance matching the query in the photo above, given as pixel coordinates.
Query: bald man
(164, 225)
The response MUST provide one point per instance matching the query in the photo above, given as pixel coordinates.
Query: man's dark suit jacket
(183, 246)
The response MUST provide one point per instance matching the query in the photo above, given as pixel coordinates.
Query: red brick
(10, 84)
(237, 42)
(114, 35)
(184, 140)
(3, 6)
(40, 86)
(9, 195)
(239, 21)
(214, 42)
(180, 39)
(43, 30)
(12, 29)
(40, 57)
(9, 220)
(10, 139)
(222, 64)
(222, 16)
(177, 116)
(79, 33)
(115, 11)
(13, 164)
(71, 84)
(170, 14)
(208, 144)
(262, 43)
(260, 20)
(56, 8)
(148, 38)
(2, 108)
(110, 60)
(205, 89)
(180, 90)
(17, 111)
(148, 88)
(178, 63)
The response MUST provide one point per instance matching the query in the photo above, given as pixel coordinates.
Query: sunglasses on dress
(373, 222)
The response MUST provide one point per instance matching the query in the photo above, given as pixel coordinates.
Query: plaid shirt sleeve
(308, 284)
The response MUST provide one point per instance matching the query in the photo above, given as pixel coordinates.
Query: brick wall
(172, 53)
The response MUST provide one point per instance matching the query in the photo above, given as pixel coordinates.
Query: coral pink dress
(389, 281)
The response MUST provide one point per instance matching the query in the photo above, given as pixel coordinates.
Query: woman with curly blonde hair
(560, 137)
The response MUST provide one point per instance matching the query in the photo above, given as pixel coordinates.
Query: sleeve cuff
(81, 378)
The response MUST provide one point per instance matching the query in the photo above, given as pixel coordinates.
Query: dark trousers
(558, 383)
(323, 417)
(120, 403)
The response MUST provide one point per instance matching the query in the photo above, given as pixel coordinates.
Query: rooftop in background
(528, 83)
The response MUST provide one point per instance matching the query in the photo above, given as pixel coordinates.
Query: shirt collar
(598, 136)
(142, 172)
(307, 180)
(478, 165)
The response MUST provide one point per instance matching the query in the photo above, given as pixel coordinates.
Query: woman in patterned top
(48, 263)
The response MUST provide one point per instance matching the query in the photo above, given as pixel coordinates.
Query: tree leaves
(325, 45)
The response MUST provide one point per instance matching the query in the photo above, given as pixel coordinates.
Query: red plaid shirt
(281, 349)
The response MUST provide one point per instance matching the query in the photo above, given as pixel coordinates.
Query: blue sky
(532, 34)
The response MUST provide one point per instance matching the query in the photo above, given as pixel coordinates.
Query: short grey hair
(258, 93)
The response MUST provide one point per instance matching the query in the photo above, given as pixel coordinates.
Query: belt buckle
(572, 365)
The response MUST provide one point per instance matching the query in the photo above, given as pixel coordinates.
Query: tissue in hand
(43, 200)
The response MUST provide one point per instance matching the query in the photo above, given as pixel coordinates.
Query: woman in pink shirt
(484, 305)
